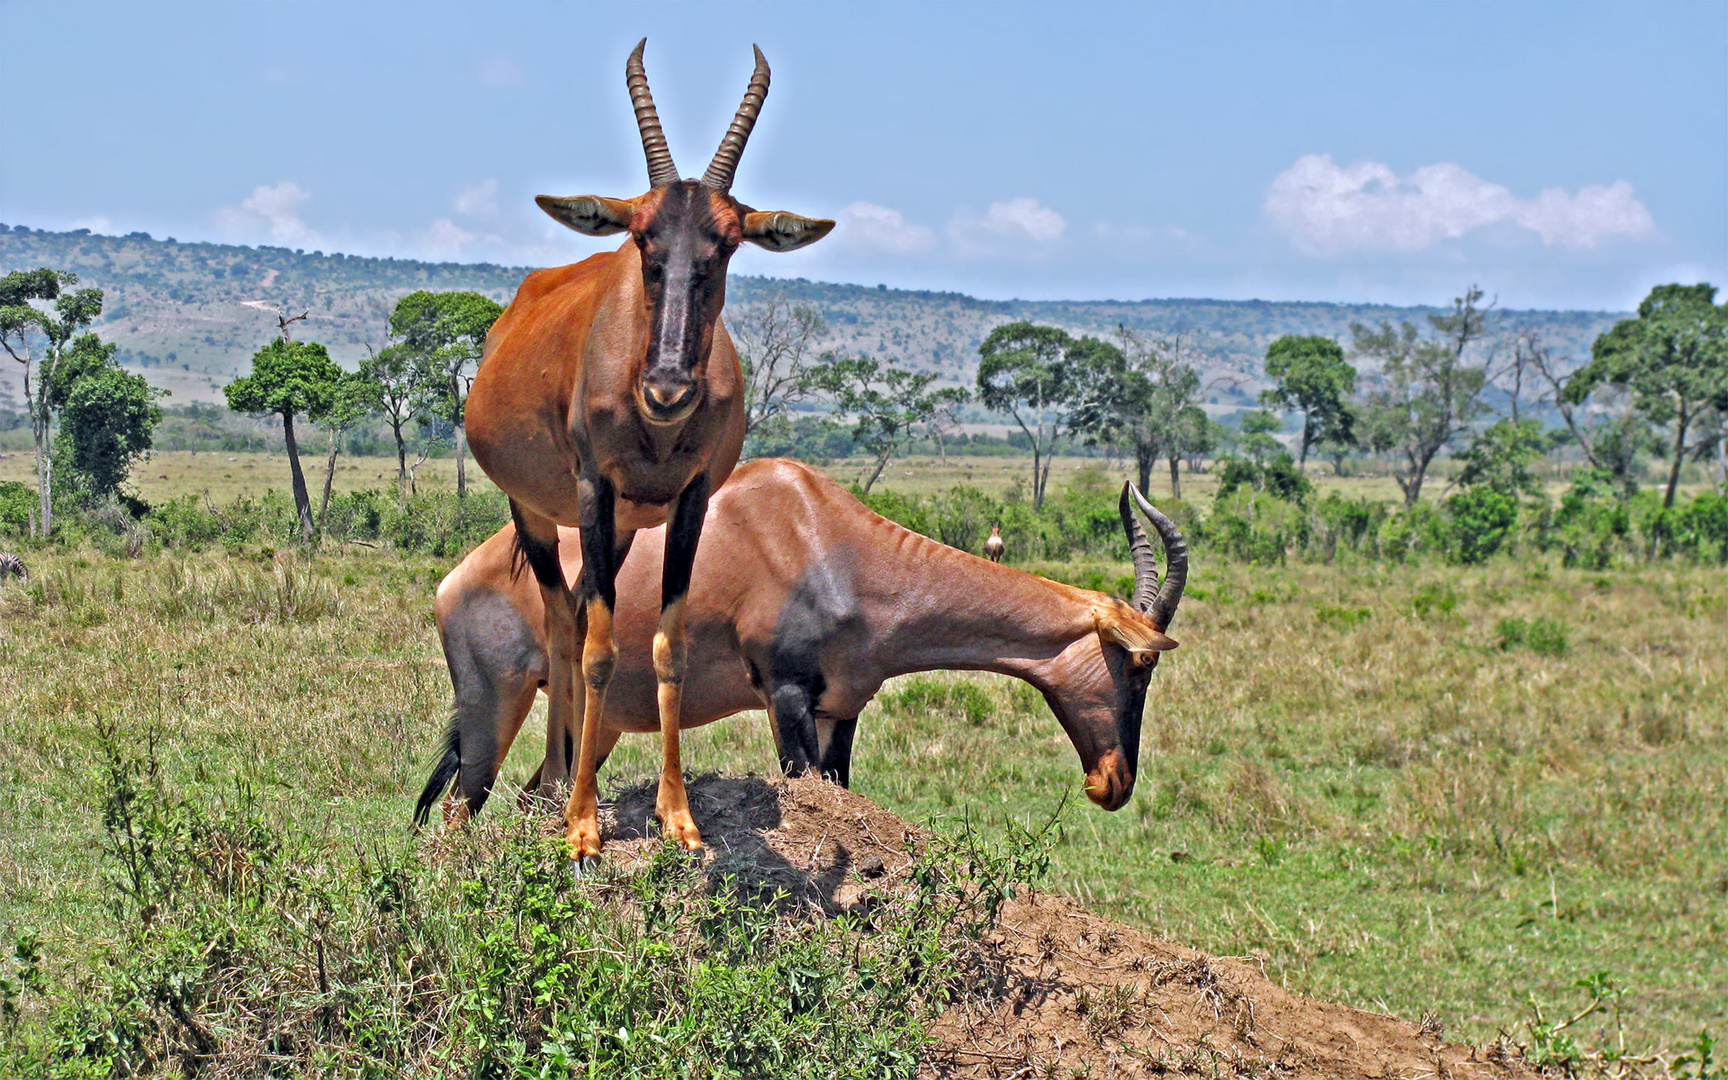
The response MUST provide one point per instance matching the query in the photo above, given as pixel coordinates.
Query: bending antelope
(803, 603)
(611, 400)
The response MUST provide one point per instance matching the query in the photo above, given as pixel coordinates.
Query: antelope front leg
(682, 533)
(600, 559)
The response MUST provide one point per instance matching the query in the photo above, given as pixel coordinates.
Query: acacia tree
(288, 378)
(389, 383)
(1050, 383)
(1310, 373)
(21, 324)
(885, 404)
(773, 343)
(1673, 360)
(445, 334)
(1255, 435)
(1429, 393)
(1143, 393)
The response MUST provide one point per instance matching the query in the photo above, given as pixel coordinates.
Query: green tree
(350, 403)
(1255, 436)
(1502, 457)
(1673, 359)
(107, 418)
(1311, 374)
(885, 404)
(1146, 397)
(1429, 391)
(22, 323)
(289, 378)
(445, 334)
(390, 384)
(1050, 383)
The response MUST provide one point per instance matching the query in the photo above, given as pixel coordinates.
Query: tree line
(1654, 384)
(91, 420)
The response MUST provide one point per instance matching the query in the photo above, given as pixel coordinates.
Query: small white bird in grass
(993, 547)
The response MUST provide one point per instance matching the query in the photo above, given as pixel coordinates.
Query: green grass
(1385, 781)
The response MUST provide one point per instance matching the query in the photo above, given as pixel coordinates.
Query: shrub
(1481, 519)
(1257, 526)
(1542, 636)
(244, 948)
(17, 504)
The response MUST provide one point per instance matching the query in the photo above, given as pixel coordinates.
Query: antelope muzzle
(1111, 780)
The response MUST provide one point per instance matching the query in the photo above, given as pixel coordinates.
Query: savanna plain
(1437, 791)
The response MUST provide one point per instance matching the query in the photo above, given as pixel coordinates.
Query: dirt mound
(1072, 993)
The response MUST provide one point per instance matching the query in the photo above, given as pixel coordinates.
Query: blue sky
(1560, 155)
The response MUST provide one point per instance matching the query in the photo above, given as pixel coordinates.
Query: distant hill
(190, 315)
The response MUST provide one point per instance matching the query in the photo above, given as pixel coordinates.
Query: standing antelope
(804, 602)
(611, 400)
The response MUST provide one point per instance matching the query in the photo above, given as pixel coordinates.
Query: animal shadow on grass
(736, 816)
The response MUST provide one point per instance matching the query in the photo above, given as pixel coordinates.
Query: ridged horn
(661, 170)
(1159, 601)
(725, 163)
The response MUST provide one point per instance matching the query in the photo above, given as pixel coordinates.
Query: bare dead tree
(1613, 437)
(774, 342)
(283, 320)
(944, 422)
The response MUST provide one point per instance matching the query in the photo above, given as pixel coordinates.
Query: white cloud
(272, 207)
(96, 224)
(879, 228)
(1024, 217)
(1326, 208)
(479, 200)
(497, 69)
(1584, 219)
(1009, 227)
(443, 240)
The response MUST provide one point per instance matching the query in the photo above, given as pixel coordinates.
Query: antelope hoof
(678, 825)
(583, 865)
(584, 840)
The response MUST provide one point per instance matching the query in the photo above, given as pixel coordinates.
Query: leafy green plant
(1699, 1062)
(1542, 636)
(244, 949)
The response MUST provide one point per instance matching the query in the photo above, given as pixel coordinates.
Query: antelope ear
(778, 230)
(1134, 637)
(591, 215)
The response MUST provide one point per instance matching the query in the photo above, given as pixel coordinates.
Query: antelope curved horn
(660, 167)
(725, 163)
(1159, 601)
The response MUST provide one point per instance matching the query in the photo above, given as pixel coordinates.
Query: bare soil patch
(1061, 991)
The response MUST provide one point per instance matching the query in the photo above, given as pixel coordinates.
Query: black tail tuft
(443, 774)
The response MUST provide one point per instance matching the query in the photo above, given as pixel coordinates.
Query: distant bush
(17, 504)
(1542, 636)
